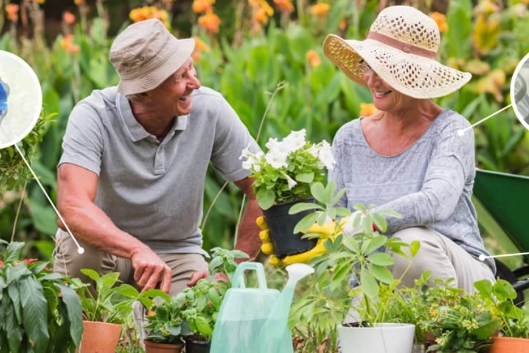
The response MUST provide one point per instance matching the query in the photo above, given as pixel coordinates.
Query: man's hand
(195, 277)
(267, 248)
(149, 270)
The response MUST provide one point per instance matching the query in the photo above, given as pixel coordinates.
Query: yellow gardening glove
(267, 248)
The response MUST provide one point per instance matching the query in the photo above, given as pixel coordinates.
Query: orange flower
(68, 18)
(69, 46)
(440, 19)
(320, 9)
(260, 16)
(313, 58)
(12, 12)
(343, 24)
(146, 12)
(284, 5)
(79, 2)
(367, 109)
(200, 6)
(200, 46)
(210, 22)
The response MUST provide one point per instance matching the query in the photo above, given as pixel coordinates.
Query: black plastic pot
(195, 345)
(281, 226)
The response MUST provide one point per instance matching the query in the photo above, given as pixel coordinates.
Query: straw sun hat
(401, 48)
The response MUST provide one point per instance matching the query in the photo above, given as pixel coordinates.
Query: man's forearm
(248, 235)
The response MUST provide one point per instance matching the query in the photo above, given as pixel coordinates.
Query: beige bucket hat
(145, 54)
(401, 48)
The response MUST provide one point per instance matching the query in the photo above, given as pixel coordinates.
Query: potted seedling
(513, 322)
(106, 308)
(351, 277)
(200, 304)
(39, 311)
(164, 326)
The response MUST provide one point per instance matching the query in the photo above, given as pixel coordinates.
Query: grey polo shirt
(154, 190)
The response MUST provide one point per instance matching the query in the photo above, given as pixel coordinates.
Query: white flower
(291, 182)
(295, 141)
(314, 151)
(325, 155)
(252, 161)
(276, 159)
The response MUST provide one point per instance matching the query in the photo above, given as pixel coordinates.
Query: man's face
(174, 94)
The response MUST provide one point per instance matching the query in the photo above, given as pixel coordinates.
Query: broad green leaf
(381, 259)
(265, 198)
(375, 244)
(381, 273)
(305, 177)
(34, 313)
(305, 223)
(368, 283)
(75, 310)
(303, 206)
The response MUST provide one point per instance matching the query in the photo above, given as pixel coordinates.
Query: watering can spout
(276, 323)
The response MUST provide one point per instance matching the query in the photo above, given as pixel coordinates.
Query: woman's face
(385, 98)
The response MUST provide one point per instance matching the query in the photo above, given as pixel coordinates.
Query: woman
(412, 156)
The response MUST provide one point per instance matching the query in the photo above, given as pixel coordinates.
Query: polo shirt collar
(135, 131)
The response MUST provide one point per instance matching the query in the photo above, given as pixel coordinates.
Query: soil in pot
(281, 226)
(99, 337)
(153, 347)
(196, 345)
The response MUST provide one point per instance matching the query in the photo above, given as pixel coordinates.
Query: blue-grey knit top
(429, 184)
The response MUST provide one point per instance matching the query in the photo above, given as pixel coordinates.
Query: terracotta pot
(99, 337)
(509, 345)
(153, 347)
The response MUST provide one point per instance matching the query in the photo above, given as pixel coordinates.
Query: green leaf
(368, 283)
(75, 310)
(381, 259)
(318, 191)
(13, 251)
(305, 223)
(374, 244)
(34, 313)
(265, 198)
(352, 244)
(414, 247)
(381, 273)
(305, 177)
(304, 206)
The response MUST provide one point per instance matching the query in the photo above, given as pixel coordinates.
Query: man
(131, 177)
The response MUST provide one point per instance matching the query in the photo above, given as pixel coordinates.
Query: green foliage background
(484, 38)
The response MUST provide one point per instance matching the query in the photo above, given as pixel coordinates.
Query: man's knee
(69, 262)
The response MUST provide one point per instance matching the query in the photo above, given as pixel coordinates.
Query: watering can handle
(238, 278)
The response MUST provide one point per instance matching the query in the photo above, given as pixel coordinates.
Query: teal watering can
(256, 319)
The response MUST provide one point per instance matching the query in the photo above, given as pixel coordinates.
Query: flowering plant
(460, 322)
(499, 299)
(286, 172)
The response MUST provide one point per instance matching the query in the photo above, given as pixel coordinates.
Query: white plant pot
(383, 338)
